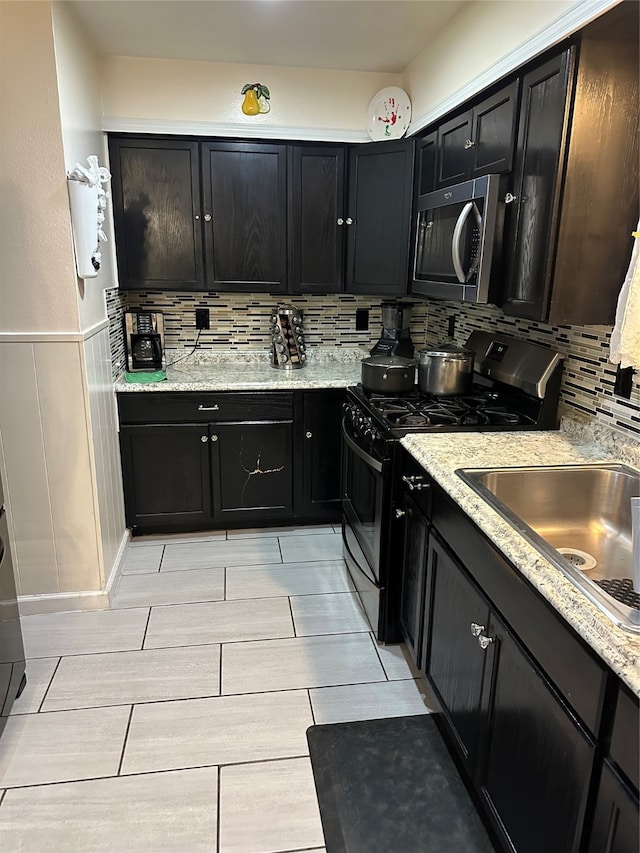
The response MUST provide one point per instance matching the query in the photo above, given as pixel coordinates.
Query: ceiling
(356, 35)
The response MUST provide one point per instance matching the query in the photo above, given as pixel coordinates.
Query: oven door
(363, 478)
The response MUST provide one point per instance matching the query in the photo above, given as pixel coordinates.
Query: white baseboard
(59, 602)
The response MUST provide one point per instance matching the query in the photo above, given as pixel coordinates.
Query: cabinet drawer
(208, 407)
(625, 749)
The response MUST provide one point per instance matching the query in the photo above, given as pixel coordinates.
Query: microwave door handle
(455, 241)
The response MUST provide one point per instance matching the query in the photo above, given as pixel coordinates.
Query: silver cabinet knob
(413, 482)
(509, 198)
(349, 220)
(214, 438)
(485, 642)
(469, 144)
(340, 221)
(476, 629)
(308, 435)
(197, 217)
(207, 217)
(400, 513)
(203, 438)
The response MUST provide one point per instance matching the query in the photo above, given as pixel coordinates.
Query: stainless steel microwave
(458, 240)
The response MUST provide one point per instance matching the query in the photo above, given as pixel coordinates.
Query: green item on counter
(146, 376)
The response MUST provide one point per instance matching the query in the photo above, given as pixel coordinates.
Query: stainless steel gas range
(516, 387)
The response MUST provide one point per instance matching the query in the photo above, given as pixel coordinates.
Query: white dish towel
(625, 337)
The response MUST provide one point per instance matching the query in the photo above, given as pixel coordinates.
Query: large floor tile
(296, 549)
(225, 730)
(179, 538)
(269, 807)
(121, 678)
(170, 588)
(367, 701)
(301, 662)
(144, 559)
(202, 555)
(39, 674)
(336, 613)
(63, 746)
(158, 813)
(84, 632)
(219, 622)
(257, 532)
(396, 662)
(291, 579)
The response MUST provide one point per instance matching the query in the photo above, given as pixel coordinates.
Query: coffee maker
(396, 337)
(144, 341)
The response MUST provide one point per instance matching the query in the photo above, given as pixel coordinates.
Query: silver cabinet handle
(349, 220)
(207, 217)
(476, 629)
(214, 438)
(414, 483)
(202, 408)
(308, 435)
(400, 513)
(509, 198)
(340, 221)
(485, 642)
(469, 144)
(203, 438)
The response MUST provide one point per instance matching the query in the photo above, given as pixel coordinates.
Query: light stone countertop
(442, 453)
(252, 371)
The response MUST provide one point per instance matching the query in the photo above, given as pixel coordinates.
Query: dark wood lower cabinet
(320, 433)
(251, 470)
(616, 828)
(166, 480)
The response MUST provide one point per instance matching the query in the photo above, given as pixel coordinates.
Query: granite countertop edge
(441, 454)
(252, 371)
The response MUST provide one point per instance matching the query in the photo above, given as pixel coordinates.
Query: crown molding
(567, 24)
(114, 124)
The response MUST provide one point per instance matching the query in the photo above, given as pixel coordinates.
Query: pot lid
(450, 350)
(389, 361)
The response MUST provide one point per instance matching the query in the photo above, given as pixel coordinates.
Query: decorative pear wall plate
(388, 114)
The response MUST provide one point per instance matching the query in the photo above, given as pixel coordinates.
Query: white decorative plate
(388, 114)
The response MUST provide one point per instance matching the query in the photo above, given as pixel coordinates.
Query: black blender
(396, 337)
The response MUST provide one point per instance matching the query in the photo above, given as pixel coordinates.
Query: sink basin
(579, 517)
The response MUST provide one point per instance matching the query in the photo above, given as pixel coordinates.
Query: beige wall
(37, 291)
(80, 97)
(316, 103)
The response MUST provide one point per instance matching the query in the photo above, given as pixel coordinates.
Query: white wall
(204, 97)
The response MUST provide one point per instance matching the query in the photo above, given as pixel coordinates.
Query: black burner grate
(622, 590)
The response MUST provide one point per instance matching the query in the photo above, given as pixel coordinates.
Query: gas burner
(413, 419)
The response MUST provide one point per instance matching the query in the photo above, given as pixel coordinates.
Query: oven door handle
(369, 460)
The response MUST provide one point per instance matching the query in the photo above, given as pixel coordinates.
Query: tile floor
(176, 720)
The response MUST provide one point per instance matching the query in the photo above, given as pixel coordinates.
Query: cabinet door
(532, 218)
(321, 443)
(156, 209)
(455, 662)
(166, 476)
(414, 572)
(616, 827)
(245, 196)
(493, 133)
(426, 151)
(537, 761)
(316, 216)
(454, 142)
(378, 217)
(251, 469)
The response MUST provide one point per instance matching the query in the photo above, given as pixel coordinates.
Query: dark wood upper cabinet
(245, 216)
(317, 218)
(378, 217)
(426, 161)
(480, 141)
(576, 178)
(156, 205)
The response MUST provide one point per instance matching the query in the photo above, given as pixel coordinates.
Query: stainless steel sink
(579, 517)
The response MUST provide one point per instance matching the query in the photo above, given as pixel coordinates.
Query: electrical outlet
(202, 318)
(362, 319)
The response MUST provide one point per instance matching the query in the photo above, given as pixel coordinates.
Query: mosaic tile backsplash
(240, 322)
